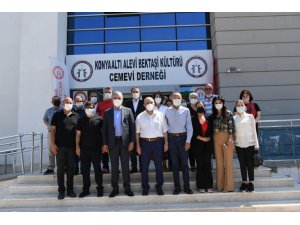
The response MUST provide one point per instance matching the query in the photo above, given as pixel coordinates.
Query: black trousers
(65, 159)
(245, 156)
(88, 156)
(105, 160)
(192, 157)
(203, 153)
(133, 159)
(119, 150)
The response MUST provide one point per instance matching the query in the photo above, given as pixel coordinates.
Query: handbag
(257, 159)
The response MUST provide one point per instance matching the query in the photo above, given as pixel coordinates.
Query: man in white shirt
(151, 133)
(179, 134)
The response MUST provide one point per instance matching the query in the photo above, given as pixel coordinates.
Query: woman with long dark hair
(223, 126)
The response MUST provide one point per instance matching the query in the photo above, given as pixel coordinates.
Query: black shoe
(61, 196)
(48, 171)
(243, 187)
(114, 193)
(100, 192)
(188, 191)
(145, 192)
(176, 191)
(71, 194)
(129, 192)
(105, 171)
(159, 190)
(250, 187)
(83, 194)
(133, 171)
(76, 172)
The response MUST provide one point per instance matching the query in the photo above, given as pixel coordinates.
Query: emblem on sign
(58, 72)
(82, 71)
(196, 66)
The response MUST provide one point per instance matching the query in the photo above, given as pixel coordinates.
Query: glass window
(85, 22)
(191, 18)
(114, 48)
(191, 32)
(122, 21)
(85, 49)
(79, 37)
(159, 46)
(157, 19)
(122, 35)
(158, 34)
(192, 45)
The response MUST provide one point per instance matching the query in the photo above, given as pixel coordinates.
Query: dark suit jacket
(197, 129)
(140, 108)
(128, 129)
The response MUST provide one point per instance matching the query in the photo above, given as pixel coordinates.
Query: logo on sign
(58, 72)
(82, 71)
(196, 66)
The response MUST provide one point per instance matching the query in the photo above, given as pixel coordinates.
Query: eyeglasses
(207, 89)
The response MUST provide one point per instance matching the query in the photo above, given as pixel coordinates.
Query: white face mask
(68, 107)
(136, 96)
(193, 100)
(79, 104)
(150, 107)
(219, 106)
(176, 102)
(246, 100)
(107, 96)
(89, 112)
(240, 109)
(208, 95)
(94, 99)
(157, 100)
(117, 103)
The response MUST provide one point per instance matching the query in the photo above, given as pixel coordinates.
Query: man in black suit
(137, 106)
(118, 140)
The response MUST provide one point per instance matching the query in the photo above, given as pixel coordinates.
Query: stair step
(44, 188)
(39, 178)
(208, 201)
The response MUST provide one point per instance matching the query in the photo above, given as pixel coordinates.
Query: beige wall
(266, 47)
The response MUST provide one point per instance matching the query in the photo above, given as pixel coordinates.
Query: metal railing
(16, 146)
(279, 139)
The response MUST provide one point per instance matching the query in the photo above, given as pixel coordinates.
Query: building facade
(255, 51)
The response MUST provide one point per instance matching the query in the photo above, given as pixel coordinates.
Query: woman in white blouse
(245, 144)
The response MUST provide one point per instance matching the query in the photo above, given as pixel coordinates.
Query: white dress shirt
(151, 126)
(161, 109)
(135, 104)
(245, 131)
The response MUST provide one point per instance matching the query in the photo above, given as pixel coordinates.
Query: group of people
(152, 129)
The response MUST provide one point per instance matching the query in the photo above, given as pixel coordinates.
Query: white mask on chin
(107, 96)
(176, 102)
(193, 100)
(240, 109)
(157, 100)
(136, 96)
(89, 112)
(219, 106)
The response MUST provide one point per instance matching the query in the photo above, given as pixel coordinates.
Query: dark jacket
(197, 129)
(128, 129)
(140, 108)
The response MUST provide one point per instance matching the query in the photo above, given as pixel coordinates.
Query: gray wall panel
(253, 14)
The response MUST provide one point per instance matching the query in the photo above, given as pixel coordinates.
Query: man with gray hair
(208, 98)
(179, 134)
(151, 133)
(117, 139)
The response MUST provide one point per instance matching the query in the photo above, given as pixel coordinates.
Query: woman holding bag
(246, 144)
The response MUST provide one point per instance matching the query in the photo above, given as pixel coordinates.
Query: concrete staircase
(36, 192)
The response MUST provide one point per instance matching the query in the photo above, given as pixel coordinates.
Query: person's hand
(230, 143)
(54, 149)
(130, 146)
(187, 146)
(78, 152)
(138, 149)
(256, 148)
(166, 147)
(105, 149)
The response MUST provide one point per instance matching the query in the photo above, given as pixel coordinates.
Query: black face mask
(200, 110)
(56, 103)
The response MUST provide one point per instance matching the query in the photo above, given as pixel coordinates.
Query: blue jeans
(149, 149)
(177, 152)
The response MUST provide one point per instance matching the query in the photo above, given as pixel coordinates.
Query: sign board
(140, 69)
